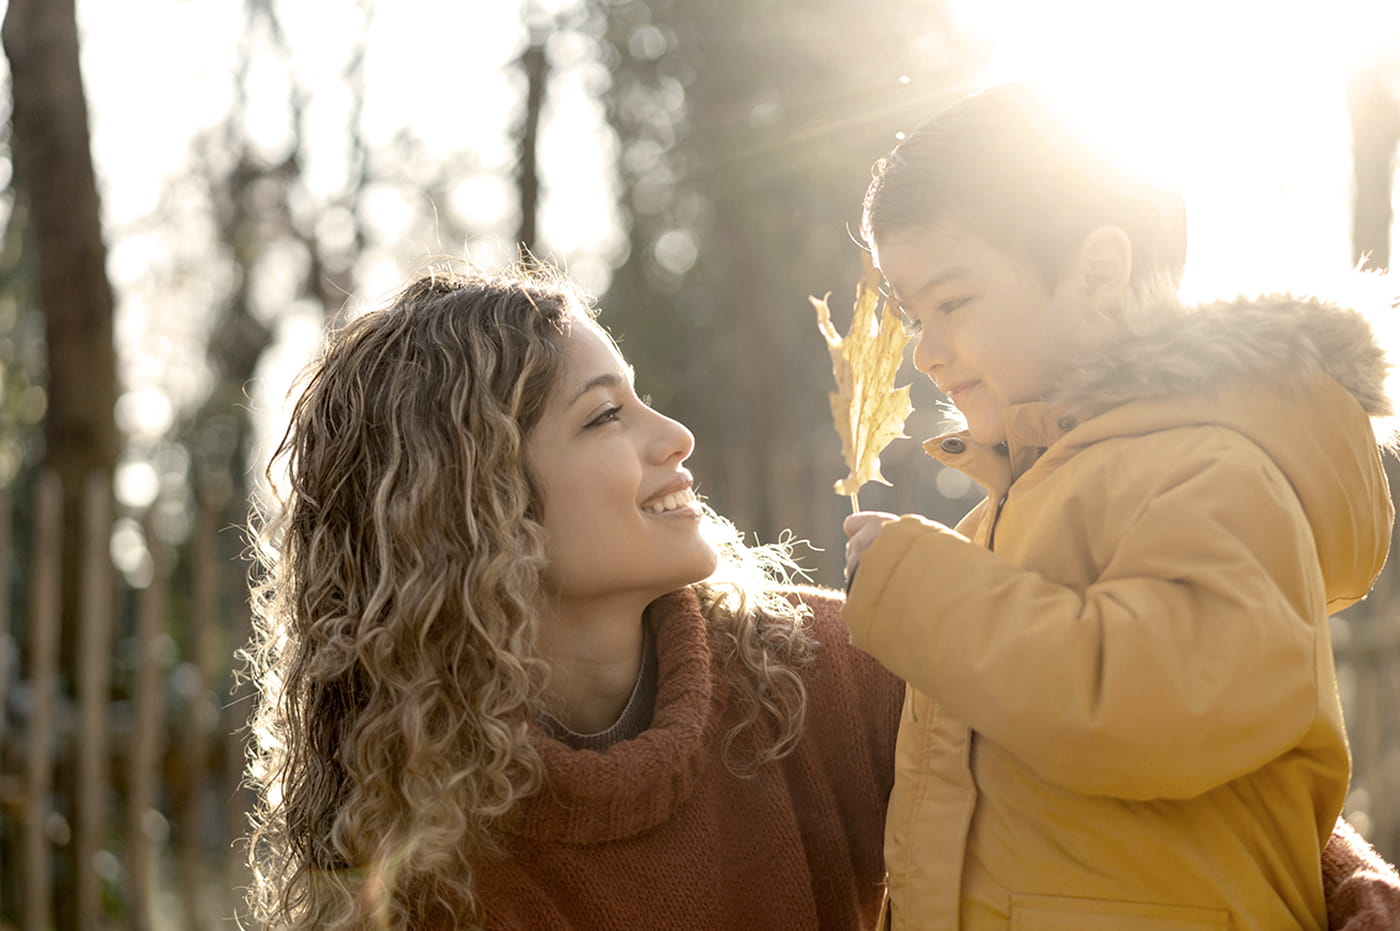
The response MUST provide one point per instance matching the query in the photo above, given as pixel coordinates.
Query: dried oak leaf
(869, 412)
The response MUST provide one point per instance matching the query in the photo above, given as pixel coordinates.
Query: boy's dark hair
(1003, 167)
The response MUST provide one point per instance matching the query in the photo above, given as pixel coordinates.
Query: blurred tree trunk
(746, 130)
(257, 221)
(534, 65)
(1375, 130)
(53, 164)
(263, 218)
(54, 173)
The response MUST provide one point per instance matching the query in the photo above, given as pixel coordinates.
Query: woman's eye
(607, 416)
(947, 307)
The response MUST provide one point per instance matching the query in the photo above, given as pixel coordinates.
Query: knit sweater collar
(636, 713)
(590, 797)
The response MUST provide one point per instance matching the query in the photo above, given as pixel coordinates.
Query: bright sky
(1242, 102)
(1250, 94)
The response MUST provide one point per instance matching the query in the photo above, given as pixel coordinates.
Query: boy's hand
(861, 529)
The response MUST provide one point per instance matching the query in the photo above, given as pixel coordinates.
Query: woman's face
(621, 522)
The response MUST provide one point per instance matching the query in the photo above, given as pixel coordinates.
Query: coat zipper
(996, 516)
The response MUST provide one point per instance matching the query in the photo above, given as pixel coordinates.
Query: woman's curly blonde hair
(401, 563)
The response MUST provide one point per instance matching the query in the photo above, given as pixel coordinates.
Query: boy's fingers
(861, 529)
(855, 522)
(858, 544)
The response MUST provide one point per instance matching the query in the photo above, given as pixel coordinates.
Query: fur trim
(1172, 350)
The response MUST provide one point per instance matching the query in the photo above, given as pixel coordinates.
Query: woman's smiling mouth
(674, 501)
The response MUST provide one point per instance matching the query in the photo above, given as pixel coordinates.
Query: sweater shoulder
(825, 602)
(844, 682)
(825, 622)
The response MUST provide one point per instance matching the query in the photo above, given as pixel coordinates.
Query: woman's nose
(673, 441)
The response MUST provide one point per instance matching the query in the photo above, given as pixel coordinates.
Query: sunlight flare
(1241, 103)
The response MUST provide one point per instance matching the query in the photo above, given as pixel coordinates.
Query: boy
(1122, 710)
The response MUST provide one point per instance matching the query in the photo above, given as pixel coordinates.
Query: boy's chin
(987, 431)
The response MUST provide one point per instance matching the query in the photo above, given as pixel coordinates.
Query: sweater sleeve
(1363, 890)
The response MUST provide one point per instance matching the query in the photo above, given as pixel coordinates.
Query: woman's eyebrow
(606, 380)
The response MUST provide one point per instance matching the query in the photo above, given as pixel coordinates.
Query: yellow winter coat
(1122, 710)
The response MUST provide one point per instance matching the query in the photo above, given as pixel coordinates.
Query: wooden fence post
(195, 724)
(94, 651)
(43, 677)
(148, 726)
(6, 561)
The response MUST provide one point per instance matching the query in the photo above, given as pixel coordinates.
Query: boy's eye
(910, 324)
(947, 307)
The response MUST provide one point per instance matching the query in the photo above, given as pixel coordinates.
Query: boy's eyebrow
(941, 278)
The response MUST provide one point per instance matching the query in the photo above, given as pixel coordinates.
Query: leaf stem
(855, 501)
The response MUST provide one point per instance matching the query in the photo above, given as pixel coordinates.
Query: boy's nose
(929, 354)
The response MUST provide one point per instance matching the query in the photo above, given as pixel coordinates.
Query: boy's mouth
(952, 391)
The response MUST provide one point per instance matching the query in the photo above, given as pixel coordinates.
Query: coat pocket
(1060, 913)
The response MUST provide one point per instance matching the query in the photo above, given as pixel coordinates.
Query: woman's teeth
(671, 502)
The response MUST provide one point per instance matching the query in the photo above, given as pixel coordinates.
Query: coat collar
(1030, 429)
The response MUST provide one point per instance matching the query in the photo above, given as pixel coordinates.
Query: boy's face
(989, 332)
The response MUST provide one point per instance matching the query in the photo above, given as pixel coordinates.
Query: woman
(513, 675)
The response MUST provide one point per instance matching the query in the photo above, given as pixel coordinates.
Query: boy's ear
(1104, 267)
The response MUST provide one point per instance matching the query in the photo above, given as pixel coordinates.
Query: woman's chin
(704, 567)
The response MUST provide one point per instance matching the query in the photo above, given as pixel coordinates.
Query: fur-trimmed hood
(1178, 351)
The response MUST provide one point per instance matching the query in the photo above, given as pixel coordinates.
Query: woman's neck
(594, 659)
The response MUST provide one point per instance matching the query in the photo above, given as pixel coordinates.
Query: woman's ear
(1104, 267)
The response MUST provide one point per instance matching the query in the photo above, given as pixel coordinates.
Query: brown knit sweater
(1363, 890)
(657, 833)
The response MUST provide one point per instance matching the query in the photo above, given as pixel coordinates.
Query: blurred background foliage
(262, 169)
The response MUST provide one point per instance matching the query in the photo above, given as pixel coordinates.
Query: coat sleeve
(1363, 890)
(1190, 659)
